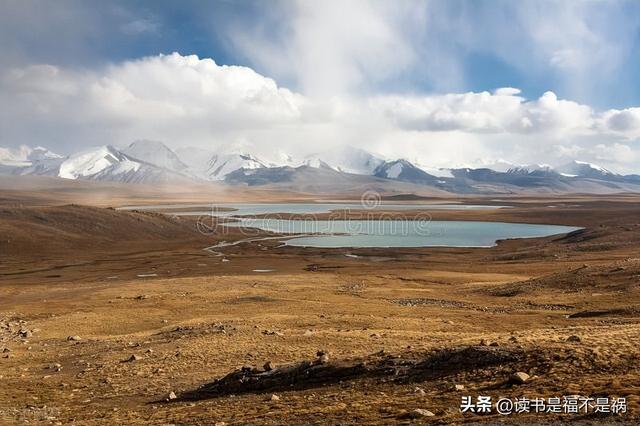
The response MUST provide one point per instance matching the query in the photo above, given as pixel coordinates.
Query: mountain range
(347, 168)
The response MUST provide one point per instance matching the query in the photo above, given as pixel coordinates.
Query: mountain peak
(156, 153)
(584, 169)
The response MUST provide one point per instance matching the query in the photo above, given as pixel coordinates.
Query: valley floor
(103, 332)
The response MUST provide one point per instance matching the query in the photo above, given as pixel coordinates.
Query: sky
(444, 83)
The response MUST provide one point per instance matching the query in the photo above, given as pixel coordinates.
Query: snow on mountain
(156, 153)
(500, 165)
(345, 159)
(24, 156)
(532, 169)
(91, 162)
(106, 163)
(441, 172)
(403, 170)
(583, 169)
(196, 159)
(220, 165)
(152, 162)
(437, 171)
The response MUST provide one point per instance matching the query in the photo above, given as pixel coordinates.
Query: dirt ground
(104, 313)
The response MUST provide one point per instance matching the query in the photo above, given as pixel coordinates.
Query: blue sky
(358, 52)
(493, 43)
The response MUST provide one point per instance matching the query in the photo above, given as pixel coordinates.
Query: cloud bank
(188, 101)
(443, 83)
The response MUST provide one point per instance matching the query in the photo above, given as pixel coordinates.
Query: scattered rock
(419, 412)
(25, 333)
(323, 359)
(519, 378)
(459, 387)
(74, 338)
(310, 374)
(267, 366)
(573, 338)
(274, 397)
(133, 357)
(171, 396)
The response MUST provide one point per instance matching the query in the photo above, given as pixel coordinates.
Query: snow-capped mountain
(535, 170)
(25, 155)
(586, 170)
(152, 162)
(206, 164)
(156, 153)
(345, 159)
(220, 165)
(502, 166)
(196, 159)
(405, 171)
(105, 160)
(104, 163)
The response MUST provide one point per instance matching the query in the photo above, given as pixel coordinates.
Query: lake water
(400, 233)
(250, 209)
(421, 232)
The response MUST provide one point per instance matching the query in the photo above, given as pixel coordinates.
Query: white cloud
(331, 47)
(626, 122)
(185, 100)
(177, 98)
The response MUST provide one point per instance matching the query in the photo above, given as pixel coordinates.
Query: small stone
(149, 351)
(267, 366)
(74, 338)
(573, 338)
(134, 357)
(419, 412)
(219, 424)
(419, 391)
(519, 378)
(274, 397)
(171, 396)
(25, 333)
(483, 342)
(323, 359)
(459, 387)
(513, 339)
